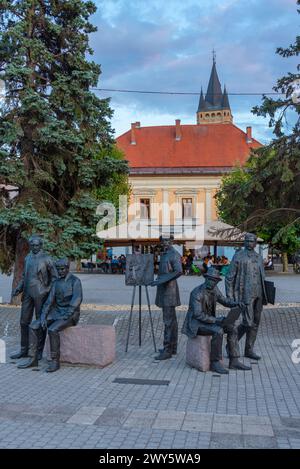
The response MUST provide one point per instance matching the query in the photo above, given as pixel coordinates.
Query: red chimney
(178, 130)
(249, 134)
(132, 135)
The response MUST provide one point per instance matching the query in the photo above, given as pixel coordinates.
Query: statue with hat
(60, 310)
(37, 278)
(167, 295)
(201, 320)
(245, 282)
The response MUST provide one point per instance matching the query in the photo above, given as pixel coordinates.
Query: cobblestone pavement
(82, 407)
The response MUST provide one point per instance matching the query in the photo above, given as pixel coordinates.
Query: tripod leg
(130, 317)
(140, 315)
(150, 315)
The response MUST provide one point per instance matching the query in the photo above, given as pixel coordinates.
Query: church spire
(202, 105)
(225, 100)
(214, 91)
(215, 107)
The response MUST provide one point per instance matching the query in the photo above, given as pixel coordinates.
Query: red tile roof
(201, 146)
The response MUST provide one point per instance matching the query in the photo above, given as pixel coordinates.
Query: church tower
(215, 107)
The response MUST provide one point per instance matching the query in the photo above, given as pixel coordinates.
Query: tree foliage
(56, 143)
(117, 186)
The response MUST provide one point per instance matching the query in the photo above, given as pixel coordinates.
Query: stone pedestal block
(198, 352)
(87, 345)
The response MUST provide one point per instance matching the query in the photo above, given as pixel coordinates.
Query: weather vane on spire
(214, 56)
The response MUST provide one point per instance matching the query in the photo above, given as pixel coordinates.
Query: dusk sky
(160, 45)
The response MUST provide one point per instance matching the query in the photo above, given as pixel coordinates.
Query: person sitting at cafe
(268, 263)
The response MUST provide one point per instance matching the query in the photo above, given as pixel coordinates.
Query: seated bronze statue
(60, 310)
(38, 275)
(201, 320)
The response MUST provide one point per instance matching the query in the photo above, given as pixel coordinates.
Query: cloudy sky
(159, 45)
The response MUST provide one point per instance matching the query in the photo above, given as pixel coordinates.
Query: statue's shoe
(29, 363)
(235, 364)
(20, 354)
(174, 351)
(53, 366)
(218, 368)
(164, 355)
(252, 355)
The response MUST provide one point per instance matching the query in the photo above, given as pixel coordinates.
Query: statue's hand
(16, 292)
(44, 323)
(220, 319)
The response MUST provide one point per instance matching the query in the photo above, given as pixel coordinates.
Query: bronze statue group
(55, 295)
(245, 294)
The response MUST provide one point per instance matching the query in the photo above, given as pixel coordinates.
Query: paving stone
(258, 430)
(227, 428)
(169, 420)
(290, 422)
(113, 417)
(264, 442)
(86, 415)
(225, 441)
(140, 418)
(227, 419)
(197, 422)
(255, 420)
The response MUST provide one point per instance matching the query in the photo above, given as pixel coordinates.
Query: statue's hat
(213, 273)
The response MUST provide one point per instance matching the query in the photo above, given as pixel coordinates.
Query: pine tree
(56, 142)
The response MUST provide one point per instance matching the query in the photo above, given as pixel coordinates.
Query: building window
(187, 208)
(145, 208)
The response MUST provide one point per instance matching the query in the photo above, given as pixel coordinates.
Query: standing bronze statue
(201, 320)
(245, 283)
(38, 275)
(60, 310)
(167, 296)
